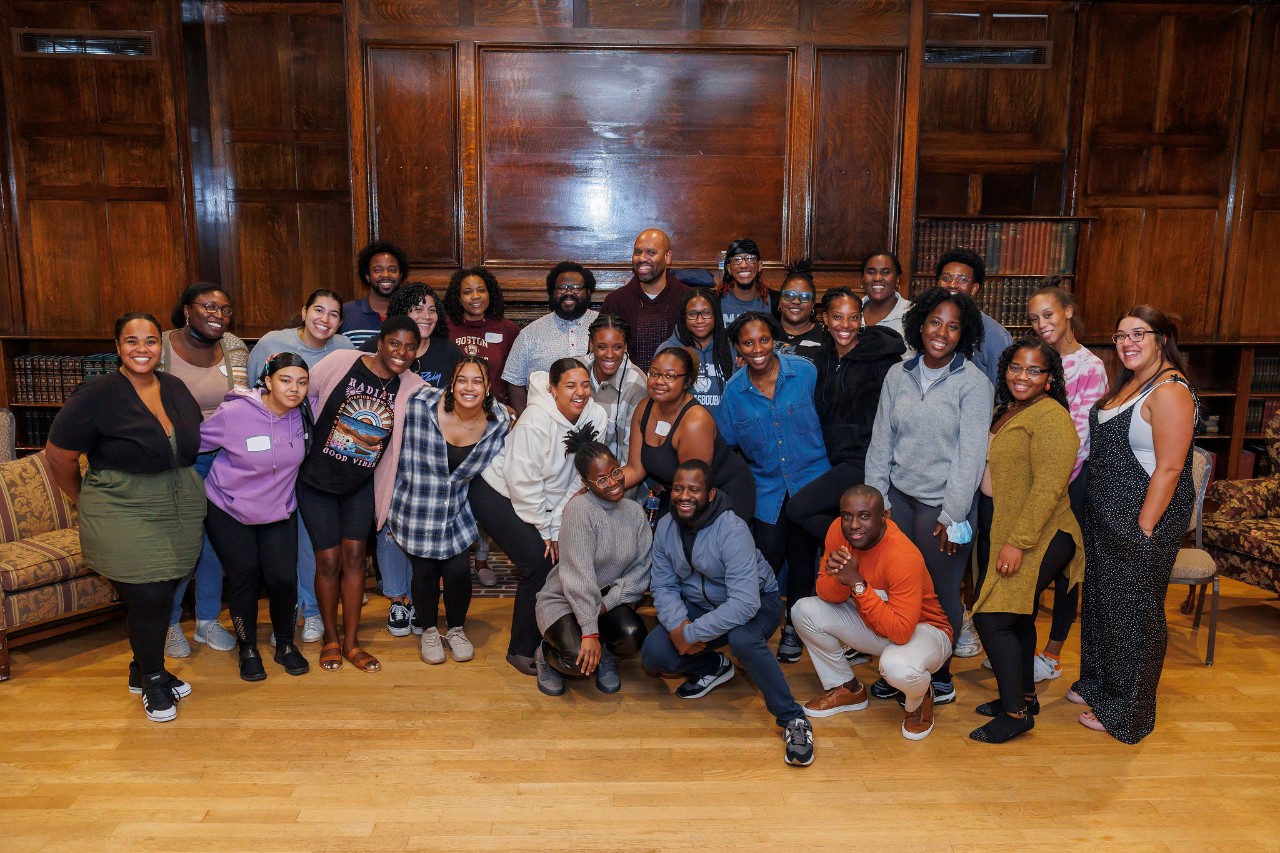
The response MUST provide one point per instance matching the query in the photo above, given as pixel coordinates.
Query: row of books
(1266, 374)
(1023, 247)
(1258, 414)
(52, 378)
(1003, 299)
(1254, 462)
(33, 427)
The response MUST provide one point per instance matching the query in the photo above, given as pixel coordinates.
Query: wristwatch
(860, 587)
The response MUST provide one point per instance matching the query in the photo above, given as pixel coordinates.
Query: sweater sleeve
(880, 451)
(828, 588)
(664, 583)
(628, 588)
(1054, 444)
(970, 454)
(577, 563)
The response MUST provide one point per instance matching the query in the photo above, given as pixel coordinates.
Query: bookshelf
(39, 373)
(1020, 252)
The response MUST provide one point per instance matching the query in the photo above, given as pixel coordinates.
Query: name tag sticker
(810, 343)
(257, 443)
(662, 428)
(493, 337)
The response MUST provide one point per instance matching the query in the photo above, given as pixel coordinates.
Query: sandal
(331, 657)
(1075, 698)
(362, 660)
(1089, 721)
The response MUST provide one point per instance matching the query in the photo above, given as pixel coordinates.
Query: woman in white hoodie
(520, 497)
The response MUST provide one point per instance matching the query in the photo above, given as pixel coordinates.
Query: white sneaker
(430, 649)
(1046, 668)
(986, 664)
(459, 646)
(175, 643)
(312, 629)
(967, 644)
(212, 634)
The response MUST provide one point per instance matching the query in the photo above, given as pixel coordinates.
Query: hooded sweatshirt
(253, 476)
(712, 564)
(533, 470)
(708, 387)
(848, 391)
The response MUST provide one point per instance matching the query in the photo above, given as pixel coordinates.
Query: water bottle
(651, 505)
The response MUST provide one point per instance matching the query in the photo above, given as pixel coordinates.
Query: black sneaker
(799, 738)
(288, 656)
(944, 693)
(696, 688)
(789, 646)
(884, 690)
(157, 698)
(177, 686)
(251, 668)
(398, 619)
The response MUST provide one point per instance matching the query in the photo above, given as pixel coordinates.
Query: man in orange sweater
(874, 595)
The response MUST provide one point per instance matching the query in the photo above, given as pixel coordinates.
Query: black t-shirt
(351, 432)
(435, 366)
(106, 420)
(805, 344)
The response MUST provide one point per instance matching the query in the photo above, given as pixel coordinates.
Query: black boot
(251, 664)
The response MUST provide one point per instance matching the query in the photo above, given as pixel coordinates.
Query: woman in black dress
(1139, 502)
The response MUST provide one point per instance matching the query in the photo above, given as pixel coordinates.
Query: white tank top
(1141, 441)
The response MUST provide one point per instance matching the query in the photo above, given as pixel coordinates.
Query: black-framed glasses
(613, 476)
(1015, 369)
(215, 308)
(570, 288)
(796, 296)
(1135, 335)
(699, 315)
(666, 377)
(948, 278)
(742, 260)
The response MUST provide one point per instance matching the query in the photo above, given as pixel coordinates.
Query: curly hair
(588, 452)
(1057, 387)
(588, 278)
(742, 246)
(969, 258)
(926, 303)
(381, 247)
(483, 365)
(411, 295)
(453, 294)
(721, 350)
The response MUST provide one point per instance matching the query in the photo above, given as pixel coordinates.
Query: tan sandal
(331, 657)
(362, 660)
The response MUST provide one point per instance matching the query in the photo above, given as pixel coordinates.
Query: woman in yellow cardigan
(1024, 500)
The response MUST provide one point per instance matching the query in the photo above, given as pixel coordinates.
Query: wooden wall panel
(413, 151)
(582, 150)
(278, 116)
(66, 239)
(857, 106)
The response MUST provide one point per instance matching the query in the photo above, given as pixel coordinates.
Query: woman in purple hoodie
(252, 522)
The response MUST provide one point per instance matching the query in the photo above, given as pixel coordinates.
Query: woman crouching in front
(604, 568)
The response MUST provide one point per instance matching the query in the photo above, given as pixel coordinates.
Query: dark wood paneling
(523, 13)
(413, 150)
(651, 15)
(582, 150)
(750, 14)
(855, 162)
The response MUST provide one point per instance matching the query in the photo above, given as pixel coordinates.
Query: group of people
(752, 462)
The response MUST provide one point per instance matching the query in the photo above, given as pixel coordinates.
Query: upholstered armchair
(1242, 531)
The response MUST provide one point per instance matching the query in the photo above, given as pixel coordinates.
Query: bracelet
(590, 636)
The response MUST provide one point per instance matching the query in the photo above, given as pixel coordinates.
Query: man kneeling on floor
(711, 587)
(874, 595)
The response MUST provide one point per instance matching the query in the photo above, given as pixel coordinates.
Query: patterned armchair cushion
(1246, 549)
(58, 599)
(1255, 572)
(30, 502)
(1244, 499)
(40, 560)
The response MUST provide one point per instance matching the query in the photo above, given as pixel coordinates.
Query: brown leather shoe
(917, 724)
(837, 700)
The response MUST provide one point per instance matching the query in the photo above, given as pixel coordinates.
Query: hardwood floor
(467, 757)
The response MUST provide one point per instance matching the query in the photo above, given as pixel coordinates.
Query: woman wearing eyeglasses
(742, 286)
(671, 427)
(1032, 535)
(584, 609)
(801, 334)
(1139, 502)
(700, 329)
(883, 305)
(210, 362)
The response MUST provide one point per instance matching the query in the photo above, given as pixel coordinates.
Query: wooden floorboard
(470, 757)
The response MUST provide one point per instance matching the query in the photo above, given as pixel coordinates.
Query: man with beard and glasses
(564, 333)
(712, 588)
(382, 267)
(651, 301)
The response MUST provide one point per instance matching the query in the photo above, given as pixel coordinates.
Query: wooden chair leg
(1213, 623)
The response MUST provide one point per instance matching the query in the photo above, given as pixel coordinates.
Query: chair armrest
(1238, 499)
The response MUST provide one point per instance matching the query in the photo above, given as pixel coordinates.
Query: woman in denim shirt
(767, 412)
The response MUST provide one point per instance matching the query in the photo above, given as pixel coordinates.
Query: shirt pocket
(751, 435)
(802, 419)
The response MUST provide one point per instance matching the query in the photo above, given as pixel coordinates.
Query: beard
(579, 307)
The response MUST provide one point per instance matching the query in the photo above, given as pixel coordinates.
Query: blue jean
(208, 570)
(749, 644)
(307, 603)
(394, 566)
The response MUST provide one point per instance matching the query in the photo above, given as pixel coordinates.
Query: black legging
(521, 542)
(1010, 638)
(427, 572)
(148, 607)
(818, 504)
(1066, 598)
(622, 632)
(788, 543)
(250, 555)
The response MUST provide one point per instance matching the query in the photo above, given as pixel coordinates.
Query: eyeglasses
(1032, 372)
(797, 296)
(666, 377)
(215, 308)
(612, 477)
(699, 315)
(742, 260)
(948, 278)
(570, 288)
(1136, 335)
